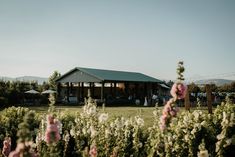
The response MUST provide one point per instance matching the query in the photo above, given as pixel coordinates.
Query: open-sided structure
(106, 85)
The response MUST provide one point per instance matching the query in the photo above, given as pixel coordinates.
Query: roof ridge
(110, 70)
(84, 70)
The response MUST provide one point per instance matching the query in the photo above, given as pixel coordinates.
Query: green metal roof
(111, 75)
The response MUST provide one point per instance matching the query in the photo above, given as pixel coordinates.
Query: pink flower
(173, 113)
(14, 154)
(19, 150)
(6, 146)
(50, 119)
(178, 90)
(163, 119)
(162, 127)
(52, 130)
(93, 151)
(168, 112)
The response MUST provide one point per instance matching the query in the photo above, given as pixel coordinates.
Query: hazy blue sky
(148, 36)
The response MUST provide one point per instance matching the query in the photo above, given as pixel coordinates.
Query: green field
(145, 112)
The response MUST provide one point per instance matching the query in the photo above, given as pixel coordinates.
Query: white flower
(66, 137)
(93, 131)
(186, 137)
(193, 131)
(127, 122)
(203, 153)
(220, 136)
(196, 115)
(118, 123)
(84, 131)
(224, 116)
(92, 110)
(72, 132)
(107, 133)
(140, 144)
(112, 125)
(228, 142)
(103, 117)
(203, 123)
(139, 121)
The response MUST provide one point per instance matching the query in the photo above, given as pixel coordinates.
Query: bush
(10, 119)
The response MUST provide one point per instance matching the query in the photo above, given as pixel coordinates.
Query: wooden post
(78, 92)
(102, 92)
(83, 90)
(187, 101)
(67, 91)
(93, 89)
(209, 98)
(90, 86)
(115, 90)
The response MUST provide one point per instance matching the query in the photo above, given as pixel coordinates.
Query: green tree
(52, 79)
(194, 88)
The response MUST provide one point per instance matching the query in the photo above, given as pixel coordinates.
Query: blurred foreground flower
(6, 146)
(52, 132)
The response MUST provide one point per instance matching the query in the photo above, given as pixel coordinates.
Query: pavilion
(106, 85)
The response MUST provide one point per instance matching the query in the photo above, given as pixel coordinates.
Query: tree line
(13, 92)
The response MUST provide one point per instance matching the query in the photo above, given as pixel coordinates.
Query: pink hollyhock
(14, 154)
(21, 147)
(6, 146)
(52, 130)
(168, 112)
(93, 151)
(178, 90)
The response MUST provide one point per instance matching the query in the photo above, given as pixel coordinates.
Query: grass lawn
(145, 112)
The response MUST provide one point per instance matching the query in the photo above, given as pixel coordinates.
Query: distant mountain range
(218, 82)
(40, 80)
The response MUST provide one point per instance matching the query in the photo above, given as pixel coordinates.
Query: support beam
(83, 90)
(67, 91)
(209, 98)
(93, 90)
(115, 90)
(102, 92)
(90, 86)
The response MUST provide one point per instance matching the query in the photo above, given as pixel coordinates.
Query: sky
(147, 36)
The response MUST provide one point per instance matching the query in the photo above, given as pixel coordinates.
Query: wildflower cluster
(92, 133)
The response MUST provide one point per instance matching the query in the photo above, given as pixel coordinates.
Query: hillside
(40, 80)
(218, 82)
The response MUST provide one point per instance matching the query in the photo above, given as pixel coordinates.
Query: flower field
(93, 133)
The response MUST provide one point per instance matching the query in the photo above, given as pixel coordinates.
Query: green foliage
(180, 71)
(189, 134)
(12, 93)
(10, 119)
(52, 79)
